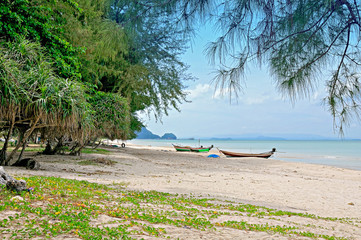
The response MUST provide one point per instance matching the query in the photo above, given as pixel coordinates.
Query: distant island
(146, 134)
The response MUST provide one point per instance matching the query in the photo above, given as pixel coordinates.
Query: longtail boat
(202, 149)
(182, 148)
(259, 155)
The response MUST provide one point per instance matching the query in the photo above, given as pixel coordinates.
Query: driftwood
(29, 163)
(11, 183)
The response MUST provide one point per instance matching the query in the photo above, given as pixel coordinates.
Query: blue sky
(259, 111)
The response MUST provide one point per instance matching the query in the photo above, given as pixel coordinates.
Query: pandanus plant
(32, 96)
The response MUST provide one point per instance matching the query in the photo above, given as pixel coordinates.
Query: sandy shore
(321, 190)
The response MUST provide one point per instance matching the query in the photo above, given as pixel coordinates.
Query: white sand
(321, 190)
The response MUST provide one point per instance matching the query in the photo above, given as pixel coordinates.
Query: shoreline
(314, 199)
(308, 188)
(296, 181)
(349, 158)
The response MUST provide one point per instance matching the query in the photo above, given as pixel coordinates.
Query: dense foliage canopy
(32, 96)
(41, 21)
(75, 71)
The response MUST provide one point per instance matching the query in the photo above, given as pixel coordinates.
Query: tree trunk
(100, 142)
(59, 147)
(75, 151)
(25, 138)
(72, 150)
(35, 137)
(4, 149)
(92, 143)
(79, 150)
(22, 151)
(48, 150)
(20, 138)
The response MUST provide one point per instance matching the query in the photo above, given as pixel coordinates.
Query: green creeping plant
(59, 206)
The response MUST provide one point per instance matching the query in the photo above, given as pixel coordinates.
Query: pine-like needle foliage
(302, 42)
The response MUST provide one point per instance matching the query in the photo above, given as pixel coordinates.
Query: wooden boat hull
(188, 149)
(202, 149)
(182, 148)
(258, 155)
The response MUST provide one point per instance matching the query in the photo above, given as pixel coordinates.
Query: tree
(109, 118)
(111, 115)
(117, 69)
(138, 60)
(39, 21)
(33, 96)
(153, 79)
(302, 42)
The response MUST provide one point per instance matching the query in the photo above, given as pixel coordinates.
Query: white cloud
(255, 100)
(199, 90)
(244, 98)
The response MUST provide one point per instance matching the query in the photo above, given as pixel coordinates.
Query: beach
(325, 191)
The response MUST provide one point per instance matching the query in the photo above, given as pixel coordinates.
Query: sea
(338, 153)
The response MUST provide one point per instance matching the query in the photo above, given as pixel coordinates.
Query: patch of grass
(97, 161)
(33, 149)
(30, 148)
(87, 162)
(61, 206)
(96, 150)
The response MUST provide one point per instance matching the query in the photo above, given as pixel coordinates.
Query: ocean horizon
(337, 153)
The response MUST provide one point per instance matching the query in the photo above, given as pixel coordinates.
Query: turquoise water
(339, 153)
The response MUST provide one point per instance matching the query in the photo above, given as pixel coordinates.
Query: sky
(260, 110)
